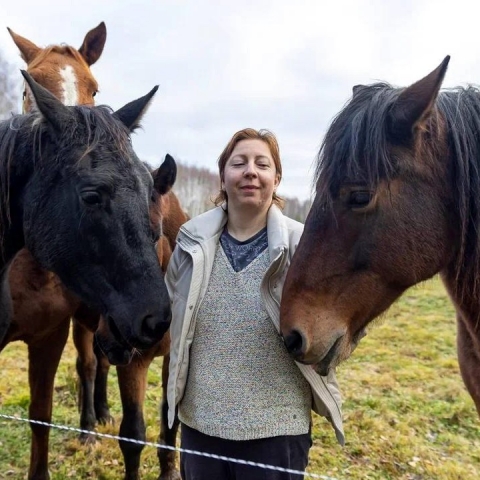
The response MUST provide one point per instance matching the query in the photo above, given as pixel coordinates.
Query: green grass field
(407, 413)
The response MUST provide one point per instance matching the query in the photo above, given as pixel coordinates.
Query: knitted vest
(242, 384)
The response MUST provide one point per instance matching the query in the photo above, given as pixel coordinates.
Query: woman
(238, 392)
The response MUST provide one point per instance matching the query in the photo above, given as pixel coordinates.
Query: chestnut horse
(62, 69)
(42, 305)
(397, 201)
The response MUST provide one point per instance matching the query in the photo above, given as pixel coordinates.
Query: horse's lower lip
(324, 365)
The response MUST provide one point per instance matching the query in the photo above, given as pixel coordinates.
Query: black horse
(75, 194)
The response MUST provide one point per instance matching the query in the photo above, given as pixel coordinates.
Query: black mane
(356, 145)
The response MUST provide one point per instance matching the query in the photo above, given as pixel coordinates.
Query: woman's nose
(250, 170)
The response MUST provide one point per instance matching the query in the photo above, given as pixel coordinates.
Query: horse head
(86, 214)
(62, 69)
(379, 223)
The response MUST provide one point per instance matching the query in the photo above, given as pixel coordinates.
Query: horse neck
(466, 301)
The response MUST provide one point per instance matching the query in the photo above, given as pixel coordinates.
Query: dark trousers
(289, 451)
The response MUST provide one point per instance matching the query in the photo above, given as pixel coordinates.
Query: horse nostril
(114, 330)
(155, 329)
(295, 343)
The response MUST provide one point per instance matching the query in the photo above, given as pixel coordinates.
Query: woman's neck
(243, 225)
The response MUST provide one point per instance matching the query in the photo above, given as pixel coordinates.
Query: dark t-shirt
(240, 254)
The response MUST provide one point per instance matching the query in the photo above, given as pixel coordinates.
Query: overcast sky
(222, 65)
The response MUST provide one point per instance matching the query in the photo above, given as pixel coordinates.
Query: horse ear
(131, 114)
(416, 102)
(93, 43)
(166, 175)
(52, 109)
(28, 50)
(356, 89)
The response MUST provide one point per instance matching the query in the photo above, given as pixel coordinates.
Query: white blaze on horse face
(69, 86)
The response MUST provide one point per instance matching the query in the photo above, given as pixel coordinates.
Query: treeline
(10, 79)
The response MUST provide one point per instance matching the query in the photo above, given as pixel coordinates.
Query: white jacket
(187, 280)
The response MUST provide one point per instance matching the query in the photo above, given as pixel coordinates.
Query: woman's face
(250, 176)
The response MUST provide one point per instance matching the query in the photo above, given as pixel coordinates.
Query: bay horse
(43, 306)
(397, 201)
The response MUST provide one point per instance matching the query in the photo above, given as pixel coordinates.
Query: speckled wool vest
(242, 384)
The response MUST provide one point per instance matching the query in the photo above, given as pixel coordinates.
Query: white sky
(224, 65)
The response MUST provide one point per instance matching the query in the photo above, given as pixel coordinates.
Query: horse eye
(91, 197)
(24, 94)
(359, 198)
(94, 93)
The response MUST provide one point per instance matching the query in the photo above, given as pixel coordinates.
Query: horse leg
(469, 361)
(168, 436)
(43, 360)
(6, 309)
(132, 381)
(86, 370)
(100, 402)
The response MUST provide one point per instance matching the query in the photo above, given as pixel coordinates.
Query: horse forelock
(356, 146)
(102, 127)
(62, 51)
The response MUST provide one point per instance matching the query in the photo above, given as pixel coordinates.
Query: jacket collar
(277, 231)
(211, 223)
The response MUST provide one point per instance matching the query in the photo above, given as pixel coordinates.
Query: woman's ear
(277, 180)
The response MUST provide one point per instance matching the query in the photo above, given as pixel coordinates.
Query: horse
(43, 310)
(43, 306)
(74, 193)
(62, 69)
(397, 201)
(93, 367)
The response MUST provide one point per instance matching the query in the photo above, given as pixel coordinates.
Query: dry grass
(407, 414)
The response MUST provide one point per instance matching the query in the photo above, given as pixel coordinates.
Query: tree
(9, 81)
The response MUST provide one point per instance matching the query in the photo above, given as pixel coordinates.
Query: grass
(406, 411)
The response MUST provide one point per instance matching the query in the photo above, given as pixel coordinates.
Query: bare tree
(195, 188)
(9, 81)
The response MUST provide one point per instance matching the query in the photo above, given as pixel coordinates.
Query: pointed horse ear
(28, 50)
(415, 103)
(52, 109)
(93, 43)
(356, 89)
(166, 175)
(131, 114)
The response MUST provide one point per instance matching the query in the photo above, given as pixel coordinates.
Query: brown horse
(42, 305)
(93, 366)
(62, 69)
(397, 201)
